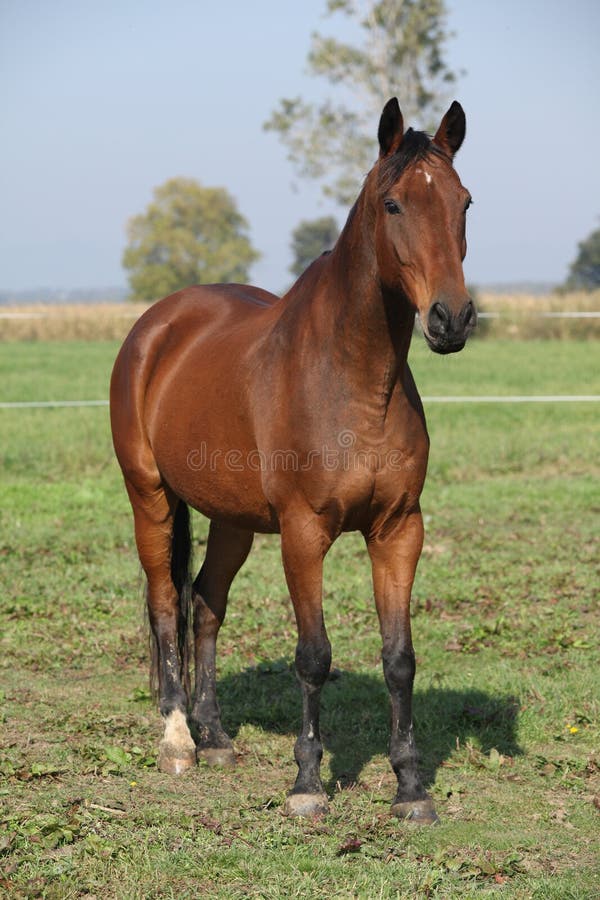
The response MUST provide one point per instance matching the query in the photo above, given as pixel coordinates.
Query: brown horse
(300, 416)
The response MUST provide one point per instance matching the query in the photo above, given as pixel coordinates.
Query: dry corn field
(528, 316)
(65, 322)
(512, 315)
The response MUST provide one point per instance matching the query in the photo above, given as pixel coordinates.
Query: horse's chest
(388, 474)
(348, 479)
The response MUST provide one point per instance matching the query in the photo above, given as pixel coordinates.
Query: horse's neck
(371, 329)
(339, 308)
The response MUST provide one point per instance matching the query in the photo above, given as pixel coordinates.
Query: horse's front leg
(394, 555)
(304, 545)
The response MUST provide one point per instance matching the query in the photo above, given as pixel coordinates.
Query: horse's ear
(451, 132)
(391, 128)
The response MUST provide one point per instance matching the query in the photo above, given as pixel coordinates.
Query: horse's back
(214, 305)
(190, 315)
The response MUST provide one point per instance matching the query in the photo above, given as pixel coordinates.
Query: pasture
(505, 629)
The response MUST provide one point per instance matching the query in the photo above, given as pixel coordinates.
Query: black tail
(181, 553)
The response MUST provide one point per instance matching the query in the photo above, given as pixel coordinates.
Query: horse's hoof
(177, 750)
(306, 806)
(217, 756)
(417, 812)
(175, 760)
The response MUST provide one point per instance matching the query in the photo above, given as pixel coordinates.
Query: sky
(100, 102)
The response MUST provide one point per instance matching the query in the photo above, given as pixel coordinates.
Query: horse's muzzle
(447, 332)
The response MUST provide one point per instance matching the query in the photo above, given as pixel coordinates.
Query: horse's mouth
(444, 346)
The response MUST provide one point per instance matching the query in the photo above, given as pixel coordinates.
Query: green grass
(505, 627)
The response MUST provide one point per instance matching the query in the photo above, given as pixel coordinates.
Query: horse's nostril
(469, 315)
(438, 319)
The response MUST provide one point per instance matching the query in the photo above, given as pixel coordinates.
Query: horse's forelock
(415, 146)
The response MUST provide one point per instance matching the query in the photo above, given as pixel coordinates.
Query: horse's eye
(468, 203)
(392, 207)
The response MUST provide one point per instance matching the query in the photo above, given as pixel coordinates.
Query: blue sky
(102, 101)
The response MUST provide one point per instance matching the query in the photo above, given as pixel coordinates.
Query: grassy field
(505, 627)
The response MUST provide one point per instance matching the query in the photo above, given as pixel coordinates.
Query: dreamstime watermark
(345, 457)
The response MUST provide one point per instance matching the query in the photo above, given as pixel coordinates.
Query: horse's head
(420, 224)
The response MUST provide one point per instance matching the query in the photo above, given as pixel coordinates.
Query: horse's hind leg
(226, 550)
(157, 543)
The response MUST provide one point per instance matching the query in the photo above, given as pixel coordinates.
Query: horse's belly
(215, 475)
(226, 495)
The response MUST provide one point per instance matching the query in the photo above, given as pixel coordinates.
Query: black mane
(415, 146)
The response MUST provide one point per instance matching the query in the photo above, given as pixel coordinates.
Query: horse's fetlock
(403, 758)
(308, 750)
(175, 702)
(410, 787)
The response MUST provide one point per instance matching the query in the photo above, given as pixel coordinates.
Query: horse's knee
(399, 668)
(313, 660)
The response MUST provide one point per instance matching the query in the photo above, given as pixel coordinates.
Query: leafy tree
(401, 53)
(584, 272)
(187, 235)
(311, 238)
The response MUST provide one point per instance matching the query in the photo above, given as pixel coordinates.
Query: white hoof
(177, 750)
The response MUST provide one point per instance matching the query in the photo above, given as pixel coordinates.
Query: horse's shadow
(355, 717)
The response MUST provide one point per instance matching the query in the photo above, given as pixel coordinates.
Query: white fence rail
(538, 315)
(475, 398)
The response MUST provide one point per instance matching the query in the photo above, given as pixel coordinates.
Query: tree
(401, 54)
(584, 272)
(188, 234)
(311, 238)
